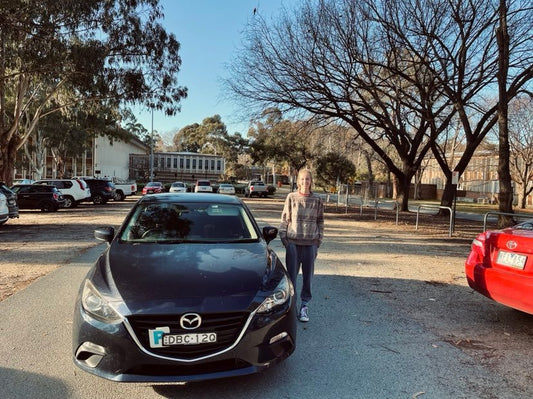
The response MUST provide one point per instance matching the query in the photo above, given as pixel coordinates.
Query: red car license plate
(511, 259)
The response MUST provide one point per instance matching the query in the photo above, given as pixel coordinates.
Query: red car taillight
(477, 255)
(56, 196)
(108, 188)
(81, 184)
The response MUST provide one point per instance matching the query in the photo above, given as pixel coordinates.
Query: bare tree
(336, 60)
(521, 146)
(398, 71)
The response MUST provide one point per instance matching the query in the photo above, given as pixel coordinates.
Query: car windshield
(169, 222)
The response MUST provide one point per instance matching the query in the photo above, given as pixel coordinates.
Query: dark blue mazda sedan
(186, 290)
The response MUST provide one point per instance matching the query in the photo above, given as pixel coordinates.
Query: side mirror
(106, 233)
(269, 233)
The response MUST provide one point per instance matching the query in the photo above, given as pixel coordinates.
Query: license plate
(511, 259)
(189, 339)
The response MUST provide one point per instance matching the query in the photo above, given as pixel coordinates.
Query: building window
(175, 163)
(188, 163)
(194, 163)
(181, 163)
(169, 160)
(219, 165)
(212, 164)
(200, 163)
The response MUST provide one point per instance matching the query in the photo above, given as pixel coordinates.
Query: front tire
(118, 196)
(98, 199)
(48, 206)
(69, 202)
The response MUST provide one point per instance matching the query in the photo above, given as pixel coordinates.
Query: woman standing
(301, 232)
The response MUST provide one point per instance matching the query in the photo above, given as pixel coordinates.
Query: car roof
(191, 197)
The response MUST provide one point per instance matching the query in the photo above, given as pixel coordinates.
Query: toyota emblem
(511, 244)
(190, 321)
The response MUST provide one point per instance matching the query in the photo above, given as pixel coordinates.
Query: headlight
(97, 306)
(281, 294)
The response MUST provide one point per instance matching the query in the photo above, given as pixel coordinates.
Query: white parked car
(226, 188)
(178, 187)
(4, 210)
(203, 186)
(74, 190)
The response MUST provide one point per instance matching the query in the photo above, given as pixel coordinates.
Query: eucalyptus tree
(211, 137)
(54, 55)
(279, 140)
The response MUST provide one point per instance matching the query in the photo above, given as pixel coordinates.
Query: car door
(24, 197)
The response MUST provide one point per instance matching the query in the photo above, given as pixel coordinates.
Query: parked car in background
(178, 187)
(38, 196)
(74, 191)
(203, 186)
(4, 210)
(256, 188)
(124, 188)
(11, 200)
(187, 289)
(23, 181)
(153, 187)
(226, 188)
(102, 190)
(500, 266)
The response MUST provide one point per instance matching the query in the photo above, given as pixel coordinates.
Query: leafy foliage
(100, 53)
(333, 168)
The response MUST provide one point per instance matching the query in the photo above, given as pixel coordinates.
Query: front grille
(227, 326)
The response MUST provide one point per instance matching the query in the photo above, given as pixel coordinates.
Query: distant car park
(153, 187)
(203, 186)
(38, 196)
(4, 210)
(226, 188)
(11, 200)
(178, 187)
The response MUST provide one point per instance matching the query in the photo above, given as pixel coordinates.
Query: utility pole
(152, 149)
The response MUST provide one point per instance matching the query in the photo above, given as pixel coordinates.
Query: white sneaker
(304, 314)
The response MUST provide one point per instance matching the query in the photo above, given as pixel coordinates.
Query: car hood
(160, 277)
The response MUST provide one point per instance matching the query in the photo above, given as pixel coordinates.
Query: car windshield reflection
(167, 222)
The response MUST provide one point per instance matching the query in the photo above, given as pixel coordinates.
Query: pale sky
(209, 32)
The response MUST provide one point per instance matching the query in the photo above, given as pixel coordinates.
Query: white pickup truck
(124, 189)
(257, 188)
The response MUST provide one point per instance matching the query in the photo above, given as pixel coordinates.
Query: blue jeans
(304, 255)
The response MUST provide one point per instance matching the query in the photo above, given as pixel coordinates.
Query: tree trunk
(504, 173)
(7, 162)
(448, 194)
(403, 186)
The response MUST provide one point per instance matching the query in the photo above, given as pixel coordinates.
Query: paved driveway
(356, 346)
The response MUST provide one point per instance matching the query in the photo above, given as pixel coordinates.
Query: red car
(153, 187)
(500, 266)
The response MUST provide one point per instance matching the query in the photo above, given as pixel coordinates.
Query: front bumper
(109, 351)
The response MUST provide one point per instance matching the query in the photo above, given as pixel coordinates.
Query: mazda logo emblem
(190, 321)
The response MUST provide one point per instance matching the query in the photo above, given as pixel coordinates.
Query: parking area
(419, 274)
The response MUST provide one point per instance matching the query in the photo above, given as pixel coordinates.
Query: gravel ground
(421, 272)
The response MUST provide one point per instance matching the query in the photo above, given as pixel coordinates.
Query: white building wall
(112, 159)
